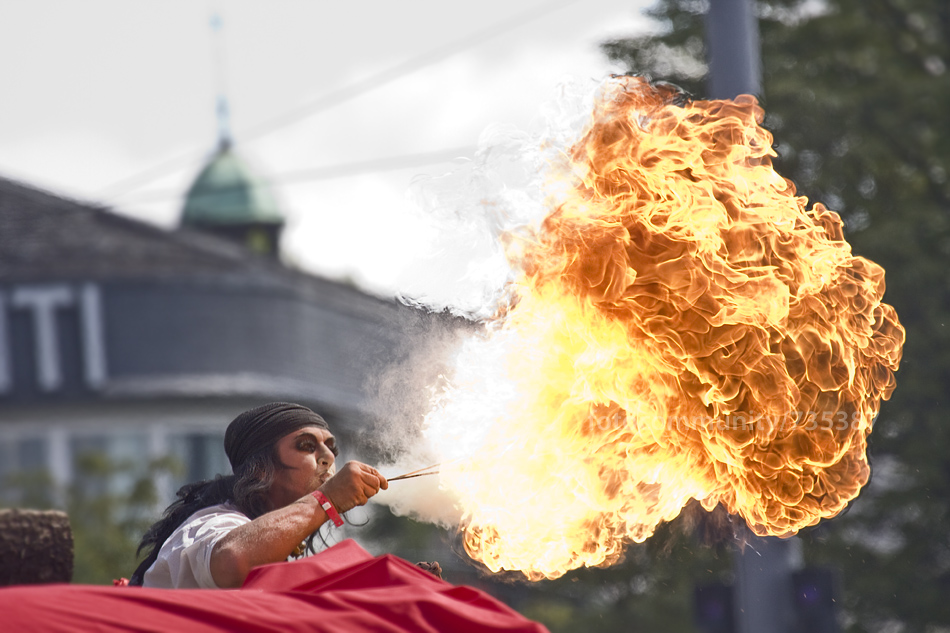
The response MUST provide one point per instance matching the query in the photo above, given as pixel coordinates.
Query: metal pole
(732, 47)
(763, 597)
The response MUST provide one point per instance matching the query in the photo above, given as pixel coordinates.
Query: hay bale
(36, 546)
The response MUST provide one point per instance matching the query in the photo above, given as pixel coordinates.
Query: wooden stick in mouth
(422, 472)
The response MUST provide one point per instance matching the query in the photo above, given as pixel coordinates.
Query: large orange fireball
(681, 327)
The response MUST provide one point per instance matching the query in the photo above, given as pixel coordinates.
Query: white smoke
(475, 212)
(476, 216)
(421, 498)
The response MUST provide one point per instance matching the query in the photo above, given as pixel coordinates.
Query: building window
(110, 464)
(201, 454)
(24, 476)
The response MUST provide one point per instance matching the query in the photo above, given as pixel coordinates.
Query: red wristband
(327, 507)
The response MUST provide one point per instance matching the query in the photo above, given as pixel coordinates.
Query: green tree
(108, 520)
(107, 517)
(650, 590)
(856, 94)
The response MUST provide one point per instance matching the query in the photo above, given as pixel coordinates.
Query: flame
(681, 327)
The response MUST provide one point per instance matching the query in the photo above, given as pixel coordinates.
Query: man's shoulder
(224, 510)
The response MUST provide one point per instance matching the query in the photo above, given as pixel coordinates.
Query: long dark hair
(246, 489)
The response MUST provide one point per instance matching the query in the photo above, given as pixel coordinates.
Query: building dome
(227, 199)
(226, 192)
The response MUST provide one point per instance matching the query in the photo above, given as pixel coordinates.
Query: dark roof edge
(186, 237)
(246, 263)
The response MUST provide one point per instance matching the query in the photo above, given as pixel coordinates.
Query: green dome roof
(226, 192)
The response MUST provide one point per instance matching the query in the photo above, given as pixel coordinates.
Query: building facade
(135, 342)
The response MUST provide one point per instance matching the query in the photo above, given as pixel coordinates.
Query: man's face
(308, 455)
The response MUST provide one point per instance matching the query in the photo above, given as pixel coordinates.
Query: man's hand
(353, 485)
(433, 568)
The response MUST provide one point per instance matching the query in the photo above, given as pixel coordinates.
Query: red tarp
(343, 589)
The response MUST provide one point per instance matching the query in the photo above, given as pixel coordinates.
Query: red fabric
(343, 589)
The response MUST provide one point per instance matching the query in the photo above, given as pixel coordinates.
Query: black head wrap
(261, 428)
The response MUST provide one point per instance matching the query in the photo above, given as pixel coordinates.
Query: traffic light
(712, 608)
(814, 600)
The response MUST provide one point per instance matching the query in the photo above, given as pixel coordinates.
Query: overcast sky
(97, 91)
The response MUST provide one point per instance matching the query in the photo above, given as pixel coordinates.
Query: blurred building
(133, 341)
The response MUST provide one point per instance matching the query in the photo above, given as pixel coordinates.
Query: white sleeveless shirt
(184, 560)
